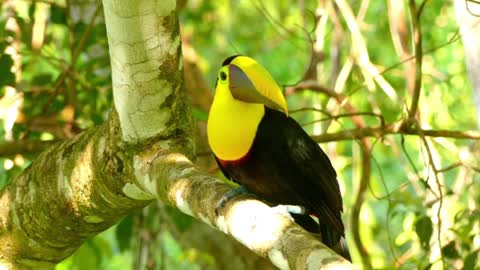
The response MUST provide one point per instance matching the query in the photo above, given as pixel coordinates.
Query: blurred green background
(420, 208)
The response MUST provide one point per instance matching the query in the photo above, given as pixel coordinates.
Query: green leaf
(102, 247)
(86, 257)
(450, 251)
(3, 44)
(427, 267)
(124, 233)
(182, 221)
(424, 230)
(42, 79)
(199, 115)
(470, 261)
(3, 176)
(57, 15)
(2, 29)
(6, 75)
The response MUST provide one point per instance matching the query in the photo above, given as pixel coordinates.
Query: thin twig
(71, 95)
(389, 207)
(366, 170)
(456, 165)
(319, 88)
(365, 167)
(24, 147)
(343, 115)
(341, 99)
(417, 39)
(394, 128)
(61, 79)
(455, 37)
(66, 71)
(86, 34)
(309, 109)
(439, 196)
(409, 158)
(467, 6)
(360, 52)
(450, 167)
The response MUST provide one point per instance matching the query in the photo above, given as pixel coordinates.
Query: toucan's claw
(291, 209)
(241, 190)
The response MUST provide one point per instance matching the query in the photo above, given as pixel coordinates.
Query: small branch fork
(363, 131)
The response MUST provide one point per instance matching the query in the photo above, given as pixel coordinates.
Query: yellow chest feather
(232, 126)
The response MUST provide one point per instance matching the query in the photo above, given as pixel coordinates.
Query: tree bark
(84, 185)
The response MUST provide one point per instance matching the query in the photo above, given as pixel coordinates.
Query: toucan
(259, 146)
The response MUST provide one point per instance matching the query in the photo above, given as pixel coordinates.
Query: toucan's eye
(223, 76)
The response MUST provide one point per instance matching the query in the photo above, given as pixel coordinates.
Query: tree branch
(229, 253)
(143, 63)
(73, 189)
(379, 131)
(360, 52)
(250, 221)
(24, 147)
(417, 39)
(394, 128)
(341, 99)
(366, 170)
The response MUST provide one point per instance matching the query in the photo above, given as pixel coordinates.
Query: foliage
(422, 195)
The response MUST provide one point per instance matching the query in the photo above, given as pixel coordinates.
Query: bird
(259, 146)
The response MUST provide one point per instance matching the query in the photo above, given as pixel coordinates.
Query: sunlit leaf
(470, 261)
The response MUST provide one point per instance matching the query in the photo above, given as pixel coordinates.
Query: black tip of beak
(229, 59)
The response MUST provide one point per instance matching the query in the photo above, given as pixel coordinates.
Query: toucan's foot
(241, 190)
(303, 216)
(291, 209)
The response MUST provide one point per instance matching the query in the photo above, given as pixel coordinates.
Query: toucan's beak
(243, 89)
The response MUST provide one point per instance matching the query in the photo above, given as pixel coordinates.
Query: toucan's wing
(301, 166)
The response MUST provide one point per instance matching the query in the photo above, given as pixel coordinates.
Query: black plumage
(285, 166)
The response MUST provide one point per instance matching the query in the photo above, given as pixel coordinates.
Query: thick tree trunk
(86, 184)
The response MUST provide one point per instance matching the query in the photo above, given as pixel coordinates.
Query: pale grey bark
(143, 62)
(86, 184)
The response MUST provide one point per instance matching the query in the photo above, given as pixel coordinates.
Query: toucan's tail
(324, 233)
(335, 241)
(342, 249)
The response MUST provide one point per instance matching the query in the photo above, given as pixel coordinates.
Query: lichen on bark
(71, 192)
